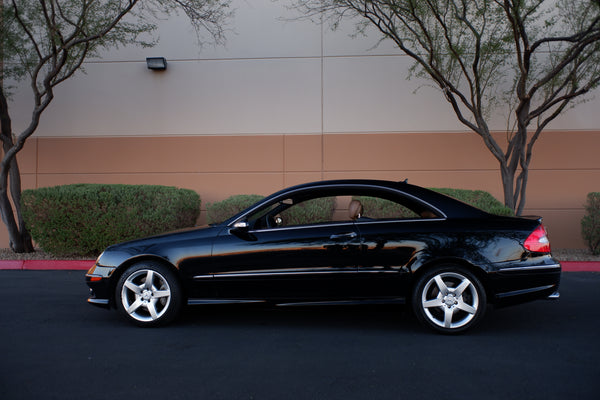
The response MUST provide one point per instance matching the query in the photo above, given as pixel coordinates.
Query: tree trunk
(508, 184)
(20, 239)
(10, 186)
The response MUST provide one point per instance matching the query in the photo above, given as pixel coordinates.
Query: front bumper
(98, 280)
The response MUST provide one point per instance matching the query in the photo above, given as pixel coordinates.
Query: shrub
(477, 198)
(378, 208)
(590, 223)
(83, 219)
(309, 212)
(222, 210)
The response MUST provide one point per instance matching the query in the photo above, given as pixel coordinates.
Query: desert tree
(45, 42)
(524, 61)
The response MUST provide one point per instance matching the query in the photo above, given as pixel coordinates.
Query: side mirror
(241, 229)
(241, 225)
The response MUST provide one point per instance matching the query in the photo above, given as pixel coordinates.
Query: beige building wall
(219, 166)
(285, 102)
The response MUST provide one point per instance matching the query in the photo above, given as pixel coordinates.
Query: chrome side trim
(532, 268)
(396, 221)
(343, 302)
(195, 302)
(554, 296)
(394, 270)
(524, 291)
(349, 224)
(209, 276)
(278, 273)
(249, 274)
(103, 302)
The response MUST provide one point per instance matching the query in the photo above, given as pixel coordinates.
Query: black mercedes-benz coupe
(343, 241)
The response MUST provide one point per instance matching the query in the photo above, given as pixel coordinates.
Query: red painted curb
(580, 266)
(11, 264)
(84, 265)
(47, 265)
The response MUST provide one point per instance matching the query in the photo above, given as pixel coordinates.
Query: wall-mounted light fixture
(156, 63)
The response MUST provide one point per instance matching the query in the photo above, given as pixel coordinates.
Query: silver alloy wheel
(450, 300)
(146, 295)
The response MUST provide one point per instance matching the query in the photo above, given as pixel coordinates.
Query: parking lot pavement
(55, 346)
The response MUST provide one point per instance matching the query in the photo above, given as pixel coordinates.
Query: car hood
(166, 246)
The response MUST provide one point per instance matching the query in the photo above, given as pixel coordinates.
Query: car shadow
(517, 320)
(334, 317)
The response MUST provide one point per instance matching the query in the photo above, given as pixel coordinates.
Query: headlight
(98, 272)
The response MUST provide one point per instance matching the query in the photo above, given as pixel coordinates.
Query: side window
(311, 211)
(335, 207)
(379, 208)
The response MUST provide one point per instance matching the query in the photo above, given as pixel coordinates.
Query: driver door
(314, 261)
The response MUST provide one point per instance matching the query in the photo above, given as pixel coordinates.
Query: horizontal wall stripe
(562, 173)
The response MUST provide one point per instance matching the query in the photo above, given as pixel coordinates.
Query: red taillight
(538, 242)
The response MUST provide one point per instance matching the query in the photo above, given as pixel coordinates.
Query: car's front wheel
(449, 299)
(149, 294)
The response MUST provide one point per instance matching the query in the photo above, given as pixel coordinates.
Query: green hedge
(309, 212)
(221, 210)
(313, 212)
(477, 198)
(378, 208)
(590, 223)
(83, 219)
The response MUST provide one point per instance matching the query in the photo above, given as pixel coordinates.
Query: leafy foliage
(83, 219)
(477, 198)
(524, 61)
(309, 212)
(590, 223)
(46, 42)
(81, 29)
(221, 210)
(378, 208)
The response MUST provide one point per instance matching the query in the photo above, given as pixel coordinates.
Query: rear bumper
(554, 296)
(519, 284)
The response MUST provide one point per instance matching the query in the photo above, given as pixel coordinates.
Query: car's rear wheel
(449, 299)
(149, 294)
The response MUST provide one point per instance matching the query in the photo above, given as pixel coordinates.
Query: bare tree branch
(470, 49)
(50, 41)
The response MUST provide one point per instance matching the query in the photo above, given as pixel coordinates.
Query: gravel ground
(561, 254)
(575, 255)
(39, 254)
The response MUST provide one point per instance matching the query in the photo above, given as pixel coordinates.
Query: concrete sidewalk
(84, 265)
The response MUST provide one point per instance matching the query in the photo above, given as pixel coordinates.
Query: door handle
(349, 235)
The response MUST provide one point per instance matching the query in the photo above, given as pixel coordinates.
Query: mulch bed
(38, 254)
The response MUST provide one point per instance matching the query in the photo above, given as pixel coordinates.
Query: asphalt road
(55, 346)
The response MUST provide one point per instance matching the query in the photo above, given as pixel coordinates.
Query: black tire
(449, 299)
(149, 294)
